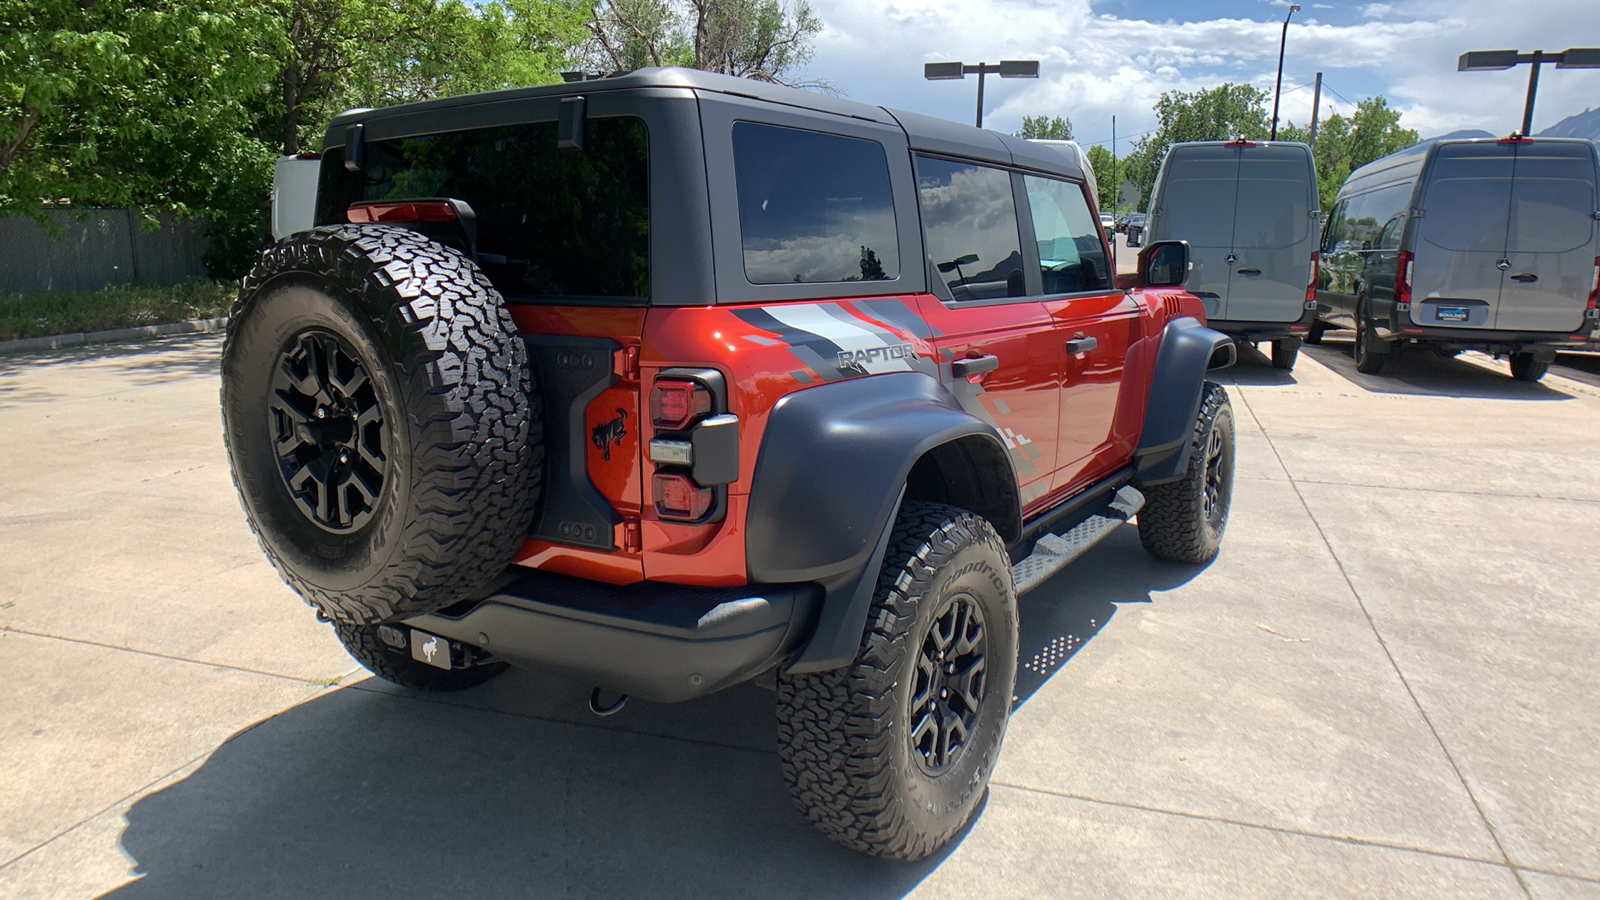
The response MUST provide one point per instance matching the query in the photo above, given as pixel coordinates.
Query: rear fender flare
(1189, 350)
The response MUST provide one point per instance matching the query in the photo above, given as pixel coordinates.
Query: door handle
(1082, 345)
(1525, 277)
(1249, 271)
(975, 365)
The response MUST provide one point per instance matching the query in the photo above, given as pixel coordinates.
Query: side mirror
(1164, 264)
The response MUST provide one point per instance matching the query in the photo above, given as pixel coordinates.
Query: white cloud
(1094, 66)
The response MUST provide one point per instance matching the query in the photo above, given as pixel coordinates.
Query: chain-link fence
(104, 246)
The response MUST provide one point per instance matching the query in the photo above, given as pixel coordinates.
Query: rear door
(1461, 239)
(1273, 236)
(981, 311)
(1550, 246)
(1199, 191)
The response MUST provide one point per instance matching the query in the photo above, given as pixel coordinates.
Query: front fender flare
(1188, 351)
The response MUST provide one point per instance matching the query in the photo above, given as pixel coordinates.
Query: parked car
(672, 381)
(1249, 212)
(1135, 229)
(1108, 223)
(1472, 244)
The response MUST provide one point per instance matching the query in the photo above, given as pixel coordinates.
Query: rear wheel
(1284, 352)
(891, 754)
(1183, 521)
(1369, 356)
(1318, 329)
(1525, 368)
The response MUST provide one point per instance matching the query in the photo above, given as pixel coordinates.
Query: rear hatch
(1507, 236)
(1195, 203)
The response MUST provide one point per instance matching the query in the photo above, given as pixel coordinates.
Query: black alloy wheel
(329, 431)
(950, 678)
(1368, 361)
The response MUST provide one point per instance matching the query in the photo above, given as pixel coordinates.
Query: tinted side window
(1467, 199)
(549, 223)
(1334, 231)
(813, 207)
(1363, 216)
(1071, 256)
(1552, 199)
(970, 217)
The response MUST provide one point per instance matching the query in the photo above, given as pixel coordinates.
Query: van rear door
(1550, 246)
(1272, 236)
(1462, 236)
(1198, 194)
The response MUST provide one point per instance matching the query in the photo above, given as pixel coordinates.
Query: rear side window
(1357, 220)
(813, 207)
(1552, 199)
(549, 223)
(1071, 255)
(970, 217)
(1197, 200)
(1274, 207)
(1468, 194)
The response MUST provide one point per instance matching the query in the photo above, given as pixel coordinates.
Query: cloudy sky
(1100, 58)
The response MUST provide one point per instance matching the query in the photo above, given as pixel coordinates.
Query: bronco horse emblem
(612, 432)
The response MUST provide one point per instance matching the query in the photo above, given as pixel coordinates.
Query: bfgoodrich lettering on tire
(891, 755)
(1183, 521)
(380, 421)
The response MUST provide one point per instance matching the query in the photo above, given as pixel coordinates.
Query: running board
(1052, 552)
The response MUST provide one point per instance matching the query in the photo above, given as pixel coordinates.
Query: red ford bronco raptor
(670, 381)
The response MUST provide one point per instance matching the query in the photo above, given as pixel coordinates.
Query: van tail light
(678, 497)
(1241, 142)
(406, 212)
(1402, 278)
(1594, 289)
(1311, 282)
(675, 405)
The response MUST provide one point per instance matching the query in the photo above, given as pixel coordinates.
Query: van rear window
(1469, 189)
(549, 223)
(1197, 200)
(1552, 199)
(1274, 208)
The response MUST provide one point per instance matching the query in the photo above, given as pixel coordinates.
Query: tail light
(1594, 289)
(1241, 142)
(696, 447)
(1311, 288)
(374, 213)
(1402, 279)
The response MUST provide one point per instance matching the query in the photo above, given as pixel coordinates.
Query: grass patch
(119, 306)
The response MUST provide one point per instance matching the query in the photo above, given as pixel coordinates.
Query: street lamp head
(1580, 58)
(1486, 60)
(1019, 68)
(943, 71)
(1294, 8)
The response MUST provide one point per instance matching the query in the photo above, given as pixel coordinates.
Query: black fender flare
(828, 483)
(1188, 351)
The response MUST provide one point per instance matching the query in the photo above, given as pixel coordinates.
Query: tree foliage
(1058, 128)
(1345, 144)
(758, 39)
(1107, 175)
(1221, 113)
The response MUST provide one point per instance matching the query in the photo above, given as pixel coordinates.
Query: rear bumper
(1401, 328)
(658, 641)
(1260, 331)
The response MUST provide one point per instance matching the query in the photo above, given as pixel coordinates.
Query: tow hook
(604, 711)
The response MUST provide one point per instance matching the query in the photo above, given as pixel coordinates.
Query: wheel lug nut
(322, 412)
(950, 669)
(943, 693)
(344, 457)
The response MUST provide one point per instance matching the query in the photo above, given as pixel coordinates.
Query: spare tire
(380, 420)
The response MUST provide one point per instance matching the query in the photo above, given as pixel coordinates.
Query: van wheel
(1525, 368)
(1284, 352)
(1318, 329)
(380, 421)
(1183, 521)
(1369, 359)
(891, 754)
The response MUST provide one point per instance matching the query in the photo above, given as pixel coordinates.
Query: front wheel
(1369, 356)
(891, 754)
(1525, 368)
(1183, 521)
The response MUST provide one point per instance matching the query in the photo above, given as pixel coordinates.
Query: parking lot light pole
(1008, 68)
(1277, 89)
(1497, 60)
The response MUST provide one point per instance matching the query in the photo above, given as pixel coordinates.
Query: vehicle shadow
(139, 363)
(1254, 369)
(1417, 371)
(514, 789)
(1584, 367)
(1062, 615)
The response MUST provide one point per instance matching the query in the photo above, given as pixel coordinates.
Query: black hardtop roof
(925, 133)
(1408, 163)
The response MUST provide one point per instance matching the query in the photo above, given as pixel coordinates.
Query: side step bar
(1052, 552)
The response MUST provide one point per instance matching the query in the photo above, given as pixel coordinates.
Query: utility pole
(1316, 101)
(1114, 167)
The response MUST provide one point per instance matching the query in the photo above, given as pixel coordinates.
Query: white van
(294, 194)
(1074, 152)
(1467, 245)
(1249, 212)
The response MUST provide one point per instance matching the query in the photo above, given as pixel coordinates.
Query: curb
(115, 335)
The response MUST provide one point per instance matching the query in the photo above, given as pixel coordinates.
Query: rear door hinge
(632, 536)
(626, 363)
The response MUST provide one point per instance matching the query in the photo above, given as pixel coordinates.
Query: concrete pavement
(1383, 687)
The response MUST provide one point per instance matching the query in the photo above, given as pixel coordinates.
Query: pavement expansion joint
(1372, 623)
(167, 656)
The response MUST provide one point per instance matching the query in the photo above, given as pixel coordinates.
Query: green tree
(1345, 144)
(1221, 113)
(1058, 128)
(758, 39)
(1106, 175)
